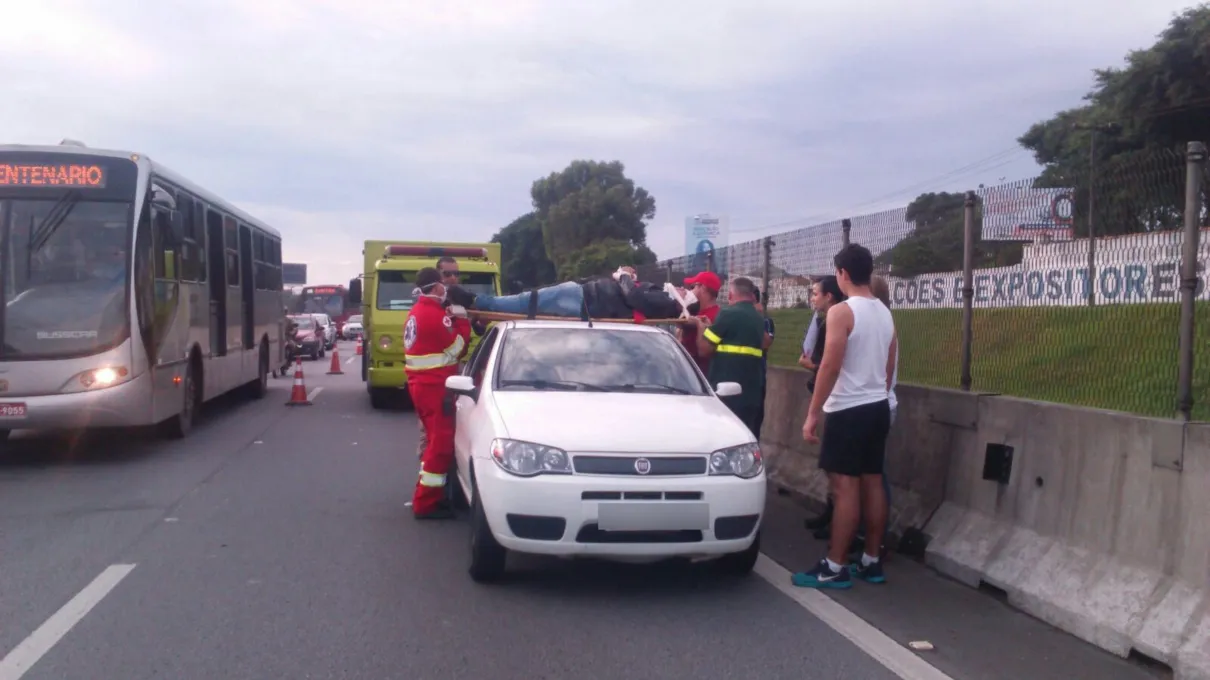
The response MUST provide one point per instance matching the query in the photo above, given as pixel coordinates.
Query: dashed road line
(23, 657)
(310, 397)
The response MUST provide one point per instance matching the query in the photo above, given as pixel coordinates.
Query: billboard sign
(293, 273)
(705, 233)
(1018, 213)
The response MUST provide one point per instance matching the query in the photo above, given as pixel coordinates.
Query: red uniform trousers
(438, 456)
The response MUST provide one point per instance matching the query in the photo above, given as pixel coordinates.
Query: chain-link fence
(1041, 310)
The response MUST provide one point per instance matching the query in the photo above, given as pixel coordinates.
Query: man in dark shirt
(764, 360)
(735, 344)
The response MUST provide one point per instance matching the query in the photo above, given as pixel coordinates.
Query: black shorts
(854, 440)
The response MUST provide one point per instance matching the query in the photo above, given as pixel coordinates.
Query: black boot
(459, 296)
(823, 521)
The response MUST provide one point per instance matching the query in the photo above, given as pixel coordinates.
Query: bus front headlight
(97, 378)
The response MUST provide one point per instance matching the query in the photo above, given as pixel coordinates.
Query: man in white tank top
(851, 389)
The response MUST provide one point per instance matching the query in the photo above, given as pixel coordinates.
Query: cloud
(338, 122)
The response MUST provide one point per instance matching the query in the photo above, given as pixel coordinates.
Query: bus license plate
(11, 410)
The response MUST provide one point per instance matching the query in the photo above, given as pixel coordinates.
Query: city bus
(131, 295)
(331, 300)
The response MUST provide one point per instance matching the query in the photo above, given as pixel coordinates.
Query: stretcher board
(501, 316)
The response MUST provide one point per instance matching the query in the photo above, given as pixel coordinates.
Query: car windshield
(396, 288)
(65, 275)
(595, 359)
(356, 318)
(305, 323)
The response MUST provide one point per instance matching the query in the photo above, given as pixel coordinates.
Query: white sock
(866, 560)
(832, 565)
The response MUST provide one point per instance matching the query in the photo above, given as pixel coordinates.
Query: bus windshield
(395, 288)
(65, 273)
(332, 304)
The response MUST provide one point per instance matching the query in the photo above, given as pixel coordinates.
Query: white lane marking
(310, 397)
(23, 657)
(895, 657)
(350, 360)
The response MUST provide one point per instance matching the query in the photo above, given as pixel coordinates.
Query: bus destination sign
(52, 175)
(325, 290)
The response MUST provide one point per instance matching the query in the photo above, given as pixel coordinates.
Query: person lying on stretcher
(620, 296)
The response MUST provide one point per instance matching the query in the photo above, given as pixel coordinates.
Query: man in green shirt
(735, 344)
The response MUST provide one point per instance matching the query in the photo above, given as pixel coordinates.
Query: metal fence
(1001, 290)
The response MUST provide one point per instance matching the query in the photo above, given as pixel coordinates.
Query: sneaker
(822, 576)
(869, 574)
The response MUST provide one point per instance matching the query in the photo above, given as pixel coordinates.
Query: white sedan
(601, 441)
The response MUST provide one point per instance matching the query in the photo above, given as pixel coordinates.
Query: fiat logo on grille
(642, 466)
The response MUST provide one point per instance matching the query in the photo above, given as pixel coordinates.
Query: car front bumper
(647, 518)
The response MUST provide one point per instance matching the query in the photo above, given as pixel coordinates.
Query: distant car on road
(353, 329)
(601, 441)
(310, 335)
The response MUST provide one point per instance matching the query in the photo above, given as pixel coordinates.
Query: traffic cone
(298, 395)
(335, 368)
(361, 346)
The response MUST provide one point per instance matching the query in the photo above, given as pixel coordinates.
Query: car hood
(620, 422)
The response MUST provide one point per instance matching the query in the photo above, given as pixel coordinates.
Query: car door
(471, 417)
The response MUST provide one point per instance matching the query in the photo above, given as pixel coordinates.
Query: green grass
(1118, 357)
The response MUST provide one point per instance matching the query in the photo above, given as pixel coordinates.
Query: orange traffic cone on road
(361, 342)
(298, 395)
(335, 368)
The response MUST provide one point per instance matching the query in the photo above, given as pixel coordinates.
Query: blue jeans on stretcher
(564, 299)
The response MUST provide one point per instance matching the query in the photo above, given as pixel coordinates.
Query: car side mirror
(462, 384)
(355, 292)
(729, 389)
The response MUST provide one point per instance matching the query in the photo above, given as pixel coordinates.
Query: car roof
(572, 324)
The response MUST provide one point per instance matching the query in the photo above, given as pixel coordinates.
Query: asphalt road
(275, 543)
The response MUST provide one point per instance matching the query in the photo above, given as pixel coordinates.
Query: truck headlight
(526, 459)
(384, 342)
(742, 461)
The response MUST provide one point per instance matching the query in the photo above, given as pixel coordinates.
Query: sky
(339, 121)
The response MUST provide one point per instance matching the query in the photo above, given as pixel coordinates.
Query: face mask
(438, 298)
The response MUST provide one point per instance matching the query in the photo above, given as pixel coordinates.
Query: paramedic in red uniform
(435, 339)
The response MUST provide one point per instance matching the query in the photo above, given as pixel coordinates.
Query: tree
(1141, 117)
(524, 253)
(935, 245)
(590, 202)
(605, 256)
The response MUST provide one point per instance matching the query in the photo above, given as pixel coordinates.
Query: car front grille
(630, 466)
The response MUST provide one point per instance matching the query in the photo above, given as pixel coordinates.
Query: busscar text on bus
(131, 295)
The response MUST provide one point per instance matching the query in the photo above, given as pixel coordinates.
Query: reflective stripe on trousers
(431, 479)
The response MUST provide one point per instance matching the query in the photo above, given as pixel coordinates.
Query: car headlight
(526, 459)
(384, 342)
(742, 461)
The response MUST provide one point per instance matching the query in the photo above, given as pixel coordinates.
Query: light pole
(1093, 128)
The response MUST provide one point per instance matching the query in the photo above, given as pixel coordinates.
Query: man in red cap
(705, 287)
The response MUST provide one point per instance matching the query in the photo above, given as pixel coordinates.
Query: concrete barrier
(1102, 529)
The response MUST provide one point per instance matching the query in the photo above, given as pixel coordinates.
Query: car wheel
(314, 355)
(487, 556)
(741, 563)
